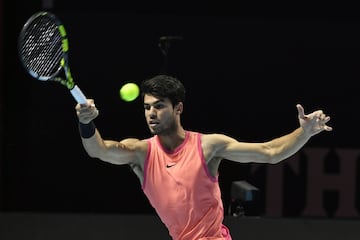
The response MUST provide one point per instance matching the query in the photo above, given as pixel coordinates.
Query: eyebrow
(155, 102)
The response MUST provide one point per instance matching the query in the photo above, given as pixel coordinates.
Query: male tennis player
(177, 168)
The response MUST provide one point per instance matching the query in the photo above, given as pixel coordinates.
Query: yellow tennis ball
(129, 92)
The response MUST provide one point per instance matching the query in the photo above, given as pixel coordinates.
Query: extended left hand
(314, 122)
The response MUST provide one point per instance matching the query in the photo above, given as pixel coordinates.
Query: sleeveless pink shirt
(182, 191)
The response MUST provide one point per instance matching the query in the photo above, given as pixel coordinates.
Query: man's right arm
(124, 152)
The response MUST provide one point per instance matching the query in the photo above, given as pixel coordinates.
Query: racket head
(43, 46)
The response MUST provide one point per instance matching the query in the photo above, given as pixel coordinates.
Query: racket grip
(78, 95)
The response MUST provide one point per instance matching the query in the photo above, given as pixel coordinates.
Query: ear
(179, 108)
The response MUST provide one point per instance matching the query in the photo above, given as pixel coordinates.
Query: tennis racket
(44, 52)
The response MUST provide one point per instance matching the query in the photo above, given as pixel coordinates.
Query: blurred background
(245, 67)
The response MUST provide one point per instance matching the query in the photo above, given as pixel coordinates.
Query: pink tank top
(182, 191)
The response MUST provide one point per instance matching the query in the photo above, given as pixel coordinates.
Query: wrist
(87, 130)
(305, 132)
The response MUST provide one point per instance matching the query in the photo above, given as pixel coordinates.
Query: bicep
(246, 152)
(128, 151)
(226, 147)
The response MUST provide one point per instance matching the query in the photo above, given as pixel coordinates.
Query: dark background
(245, 68)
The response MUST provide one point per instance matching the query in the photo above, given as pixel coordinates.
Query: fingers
(314, 122)
(90, 103)
(87, 112)
(322, 120)
(327, 128)
(300, 111)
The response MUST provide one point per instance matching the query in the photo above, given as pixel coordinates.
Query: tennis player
(178, 168)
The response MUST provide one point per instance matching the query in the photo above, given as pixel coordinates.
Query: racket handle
(78, 95)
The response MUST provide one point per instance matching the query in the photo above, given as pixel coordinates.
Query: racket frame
(67, 81)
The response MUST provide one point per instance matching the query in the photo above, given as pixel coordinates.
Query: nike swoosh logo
(169, 166)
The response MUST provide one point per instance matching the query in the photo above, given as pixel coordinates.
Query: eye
(159, 106)
(147, 107)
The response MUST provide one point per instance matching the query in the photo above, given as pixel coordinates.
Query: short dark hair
(164, 86)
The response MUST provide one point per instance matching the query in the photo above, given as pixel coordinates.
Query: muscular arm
(273, 151)
(219, 146)
(128, 151)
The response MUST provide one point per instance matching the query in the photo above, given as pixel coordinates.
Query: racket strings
(41, 48)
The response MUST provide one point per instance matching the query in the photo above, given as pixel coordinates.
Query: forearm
(287, 145)
(94, 145)
(91, 139)
(310, 124)
(87, 130)
(106, 150)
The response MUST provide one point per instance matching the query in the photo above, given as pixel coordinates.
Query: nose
(152, 112)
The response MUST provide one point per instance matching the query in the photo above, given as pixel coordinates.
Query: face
(160, 115)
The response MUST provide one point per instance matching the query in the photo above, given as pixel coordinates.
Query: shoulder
(138, 146)
(212, 142)
(134, 143)
(216, 139)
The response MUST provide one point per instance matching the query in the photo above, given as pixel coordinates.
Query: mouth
(153, 124)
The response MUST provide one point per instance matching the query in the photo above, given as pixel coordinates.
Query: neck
(172, 140)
